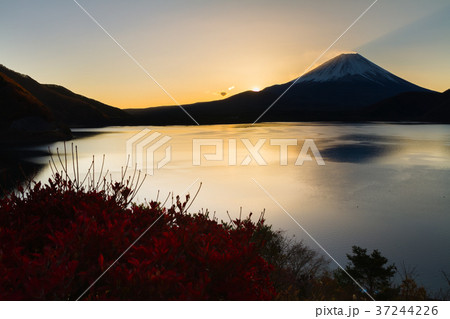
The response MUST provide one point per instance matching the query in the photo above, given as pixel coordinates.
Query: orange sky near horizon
(197, 50)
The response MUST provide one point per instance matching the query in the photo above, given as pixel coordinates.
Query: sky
(196, 49)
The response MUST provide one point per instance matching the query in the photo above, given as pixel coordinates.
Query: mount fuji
(346, 82)
(349, 65)
(346, 88)
(341, 89)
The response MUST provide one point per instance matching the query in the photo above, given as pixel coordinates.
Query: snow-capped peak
(348, 64)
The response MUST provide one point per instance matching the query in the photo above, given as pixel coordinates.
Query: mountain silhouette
(347, 81)
(346, 88)
(66, 107)
(23, 118)
(17, 102)
(431, 107)
(338, 89)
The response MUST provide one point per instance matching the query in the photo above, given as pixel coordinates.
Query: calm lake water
(383, 187)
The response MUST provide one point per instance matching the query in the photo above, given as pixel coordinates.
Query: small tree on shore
(370, 271)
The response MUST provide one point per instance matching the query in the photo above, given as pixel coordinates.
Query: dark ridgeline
(414, 107)
(33, 113)
(23, 116)
(346, 88)
(60, 104)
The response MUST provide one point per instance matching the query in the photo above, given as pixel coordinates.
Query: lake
(383, 186)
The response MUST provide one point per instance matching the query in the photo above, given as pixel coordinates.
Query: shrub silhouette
(298, 269)
(56, 239)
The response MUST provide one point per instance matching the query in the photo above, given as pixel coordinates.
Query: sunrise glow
(223, 57)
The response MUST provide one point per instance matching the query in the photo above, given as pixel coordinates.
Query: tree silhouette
(370, 271)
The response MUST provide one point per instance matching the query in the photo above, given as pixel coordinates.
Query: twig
(193, 199)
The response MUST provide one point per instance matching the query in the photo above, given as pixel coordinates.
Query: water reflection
(383, 186)
(17, 167)
(356, 153)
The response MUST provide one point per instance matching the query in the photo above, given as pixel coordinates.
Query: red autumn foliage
(56, 240)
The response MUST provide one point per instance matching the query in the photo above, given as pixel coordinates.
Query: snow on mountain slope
(349, 64)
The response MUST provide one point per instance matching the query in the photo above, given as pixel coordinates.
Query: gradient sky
(196, 49)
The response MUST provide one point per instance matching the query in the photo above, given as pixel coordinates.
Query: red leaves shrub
(56, 240)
